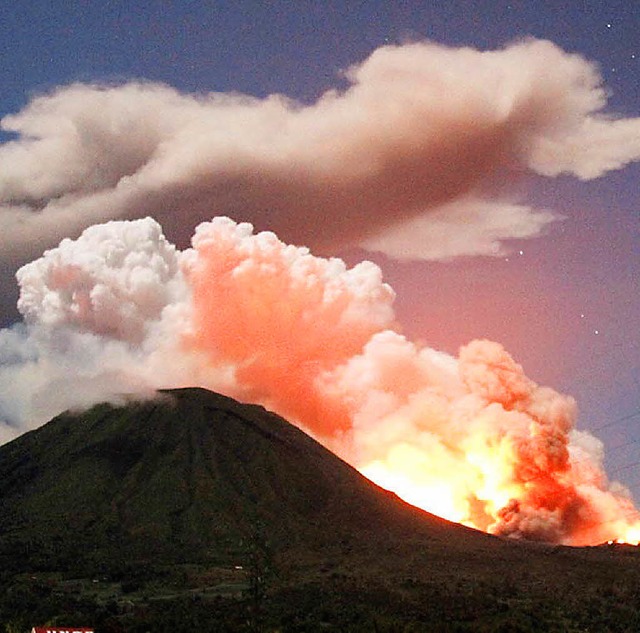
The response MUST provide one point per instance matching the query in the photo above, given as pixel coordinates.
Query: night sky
(566, 305)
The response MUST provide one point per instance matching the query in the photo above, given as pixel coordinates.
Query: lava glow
(471, 491)
(471, 438)
(435, 496)
(473, 496)
(630, 535)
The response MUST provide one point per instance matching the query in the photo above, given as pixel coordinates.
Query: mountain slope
(193, 511)
(190, 475)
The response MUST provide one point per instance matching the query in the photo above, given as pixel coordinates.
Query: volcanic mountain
(192, 511)
(190, 475)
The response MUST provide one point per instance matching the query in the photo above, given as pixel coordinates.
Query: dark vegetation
(194, 512)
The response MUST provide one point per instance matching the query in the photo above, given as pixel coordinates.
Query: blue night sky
(566, 304)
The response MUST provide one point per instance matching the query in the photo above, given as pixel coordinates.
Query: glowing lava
(481, 492)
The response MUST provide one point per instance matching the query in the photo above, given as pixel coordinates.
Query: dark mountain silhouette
(191, 475)
(195, 512)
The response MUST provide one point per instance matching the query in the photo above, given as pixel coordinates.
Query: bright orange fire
(630, 534)
(470, 491)
(476, 491)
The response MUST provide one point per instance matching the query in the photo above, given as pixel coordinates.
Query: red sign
(60, 629)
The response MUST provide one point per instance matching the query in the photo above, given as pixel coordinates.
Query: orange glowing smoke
(471, 438)
(279, 317)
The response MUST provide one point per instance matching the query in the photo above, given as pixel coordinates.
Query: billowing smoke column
(469, 438)
(282, 317)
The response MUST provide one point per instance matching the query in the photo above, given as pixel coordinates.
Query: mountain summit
(188, 475)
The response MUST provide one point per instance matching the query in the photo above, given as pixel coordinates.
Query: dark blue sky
(265, 47)
(545, 305)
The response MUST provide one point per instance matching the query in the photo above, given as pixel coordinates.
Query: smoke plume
(410, 158)
(471, 438)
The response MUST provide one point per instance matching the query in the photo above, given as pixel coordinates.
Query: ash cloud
(99, 318)
(410, 152)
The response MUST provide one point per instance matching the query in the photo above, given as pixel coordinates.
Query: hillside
(195, 508)
(188, 476)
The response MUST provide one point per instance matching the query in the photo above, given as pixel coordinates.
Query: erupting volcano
(471, 438)
(419, 155)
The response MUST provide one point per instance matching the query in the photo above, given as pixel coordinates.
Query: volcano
(191, 475)
(173, 513)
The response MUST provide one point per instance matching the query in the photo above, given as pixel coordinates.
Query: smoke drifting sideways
(120, 310)
(410, 158)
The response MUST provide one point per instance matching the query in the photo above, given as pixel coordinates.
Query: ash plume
(404, 160)
(470, 438)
